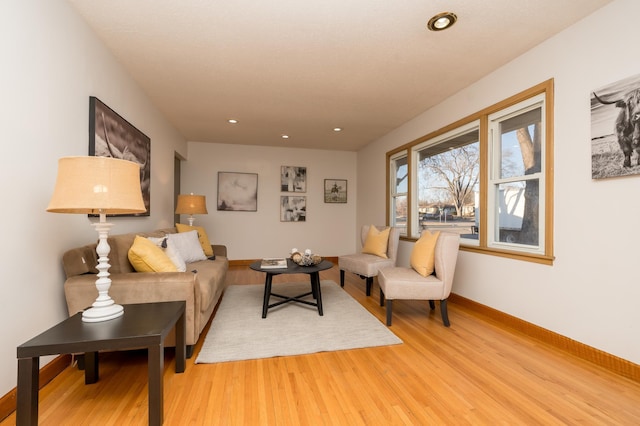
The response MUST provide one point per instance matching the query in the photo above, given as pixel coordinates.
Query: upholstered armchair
(366, 265)
(406, 284)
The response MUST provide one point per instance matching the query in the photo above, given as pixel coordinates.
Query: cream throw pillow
(145, 256)
(376, 242)
(423, 253)
(188, 246)
(169, 248)
(202, 237)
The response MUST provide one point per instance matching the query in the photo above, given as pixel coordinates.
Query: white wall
(51, 64)
(591, 292)
(329, 229)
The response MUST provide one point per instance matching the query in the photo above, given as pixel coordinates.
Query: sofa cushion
(145, 256)
(188, 246)
(170, 250)
(423, 253)
(376, 242)
(202, 237)
(81, 260)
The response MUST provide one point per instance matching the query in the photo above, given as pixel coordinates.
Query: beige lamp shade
(191, 204)
(94, 185)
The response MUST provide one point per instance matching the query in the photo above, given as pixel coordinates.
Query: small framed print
(293, 208)
(293, 179)
(335, 190)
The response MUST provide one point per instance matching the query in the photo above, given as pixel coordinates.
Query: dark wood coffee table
(293, 268)
(142, 326)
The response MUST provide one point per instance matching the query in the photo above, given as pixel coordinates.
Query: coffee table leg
(267, 295)
(155, 366)
(28, 381)
(315, 282)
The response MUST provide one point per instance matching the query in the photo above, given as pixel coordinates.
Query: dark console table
(293, 268)
(142, 326)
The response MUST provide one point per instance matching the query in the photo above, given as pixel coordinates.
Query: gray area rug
(238, 331)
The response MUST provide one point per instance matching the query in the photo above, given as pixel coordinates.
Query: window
(399, 181)
(487, 177)
(515, 191)
(447, 177)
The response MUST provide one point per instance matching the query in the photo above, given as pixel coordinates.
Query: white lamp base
(102, 313)
(104, 308)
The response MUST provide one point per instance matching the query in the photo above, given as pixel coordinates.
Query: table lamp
(98, 185)
(191, 204)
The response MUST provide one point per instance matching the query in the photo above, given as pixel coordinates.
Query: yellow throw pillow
(423, 253)
(376, 242)
(202, 237)
(145, 256)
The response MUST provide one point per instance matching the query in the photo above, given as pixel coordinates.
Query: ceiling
(302, 68)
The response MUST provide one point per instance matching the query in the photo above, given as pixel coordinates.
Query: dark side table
(144, 325)
(293, 268)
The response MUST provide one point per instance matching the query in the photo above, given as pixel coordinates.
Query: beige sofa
(201, 286)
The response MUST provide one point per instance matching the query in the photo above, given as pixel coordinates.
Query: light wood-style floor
(473, 373)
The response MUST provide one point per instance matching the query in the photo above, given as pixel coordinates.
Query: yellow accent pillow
(145, 256)
(423, 253)
(202, 237)
(376, 242)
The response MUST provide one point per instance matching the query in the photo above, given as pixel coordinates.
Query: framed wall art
(615, 131)
(110, 135)
(293, 179)
(293, 208)
(237, 191)
(335, 190)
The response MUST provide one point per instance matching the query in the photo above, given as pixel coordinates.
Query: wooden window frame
(546, 256)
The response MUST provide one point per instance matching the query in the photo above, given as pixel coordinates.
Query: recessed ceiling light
(232, 121)
(442, 21)
(285, 136)
(337, 129)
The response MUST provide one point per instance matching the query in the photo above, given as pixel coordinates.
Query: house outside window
(487, 177)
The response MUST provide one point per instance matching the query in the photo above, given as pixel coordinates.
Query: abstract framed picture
(615, 130)
(237, 192)
(110, 135)
(293, 208)
(293, 179)
(335, 190)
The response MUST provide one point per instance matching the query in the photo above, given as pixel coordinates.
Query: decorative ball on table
(306, 259)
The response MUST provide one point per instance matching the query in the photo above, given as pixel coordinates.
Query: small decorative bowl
(306, 259)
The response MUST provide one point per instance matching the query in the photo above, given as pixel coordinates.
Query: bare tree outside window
(448, 176)
(519, 187)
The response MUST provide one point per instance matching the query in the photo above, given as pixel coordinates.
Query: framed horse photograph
(335, 190)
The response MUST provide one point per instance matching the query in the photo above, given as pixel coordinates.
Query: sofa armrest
(136, 287)
(219, 250)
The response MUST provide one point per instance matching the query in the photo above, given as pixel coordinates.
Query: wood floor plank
(476, 372)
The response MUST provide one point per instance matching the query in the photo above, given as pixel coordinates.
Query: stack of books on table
(274, 263)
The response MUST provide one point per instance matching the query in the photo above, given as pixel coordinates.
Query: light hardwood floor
(476, 372)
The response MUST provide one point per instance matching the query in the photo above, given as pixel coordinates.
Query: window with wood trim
(398, 182)
(487, 177)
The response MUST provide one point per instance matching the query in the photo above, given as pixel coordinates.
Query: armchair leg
(445, 314)
(341, 278)
(369, 284)
(389, 312)
(432, 304)
(381, 298)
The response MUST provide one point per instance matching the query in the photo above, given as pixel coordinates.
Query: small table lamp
(191, 204)
(98, 185)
